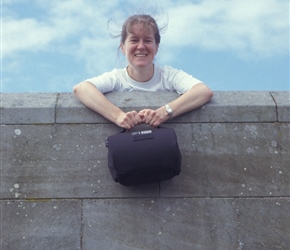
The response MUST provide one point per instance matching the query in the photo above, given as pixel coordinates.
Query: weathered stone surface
(264, 223)
(218, 160)
(28, 108)
(45, 225)
(71, 110)
(159, 224)
(60, 161)
(224, 107)
(236, 107)
(232, 193)
(232, 160)
(282, 100)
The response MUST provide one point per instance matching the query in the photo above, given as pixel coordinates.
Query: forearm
(197, 96)
(90, 96)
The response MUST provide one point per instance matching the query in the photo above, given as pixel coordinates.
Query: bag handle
(124, 130)
(143, 134)
(137, 135)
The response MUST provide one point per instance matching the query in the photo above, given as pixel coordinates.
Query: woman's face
(140, 46)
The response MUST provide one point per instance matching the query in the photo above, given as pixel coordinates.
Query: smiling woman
(140, 40)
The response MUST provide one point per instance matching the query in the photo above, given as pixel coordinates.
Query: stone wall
(233, 191)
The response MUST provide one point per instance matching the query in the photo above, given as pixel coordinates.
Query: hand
(154, 117)
(129, 120)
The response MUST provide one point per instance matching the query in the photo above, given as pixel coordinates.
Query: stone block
(71, 110)
(160, 224)
(224, 107)
(237, 106)
(60, 161)
(232, 160)
(218, 160)
(282, 100)
(28, 108)
(45, 225)
(264, 223)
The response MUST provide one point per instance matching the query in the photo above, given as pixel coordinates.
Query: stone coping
(239, 106)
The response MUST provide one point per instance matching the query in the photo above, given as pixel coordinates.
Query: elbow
(78, 89)
(207, 93)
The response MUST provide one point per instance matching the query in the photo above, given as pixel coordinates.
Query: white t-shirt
(164, 78)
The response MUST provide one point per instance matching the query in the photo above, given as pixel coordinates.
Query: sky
(231, 45)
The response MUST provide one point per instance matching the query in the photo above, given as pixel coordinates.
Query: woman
(140, 39)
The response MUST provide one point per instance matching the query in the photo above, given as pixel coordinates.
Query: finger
(156, 123)
(153, 121)
(131, 118)
(142, 115)
(136, 119)
(142, 111)
(125, 125)
(129, 122)
(156, 120)
(148, 116)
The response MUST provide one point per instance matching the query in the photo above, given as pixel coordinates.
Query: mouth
(140, 55)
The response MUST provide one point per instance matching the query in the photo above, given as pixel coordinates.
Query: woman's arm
(90, 96)
(197, 96)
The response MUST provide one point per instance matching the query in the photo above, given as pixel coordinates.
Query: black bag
(143, 156)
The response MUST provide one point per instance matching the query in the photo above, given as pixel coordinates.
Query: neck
(142, 74)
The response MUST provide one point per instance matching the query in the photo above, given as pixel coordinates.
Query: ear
(122, 48)
(157, 48)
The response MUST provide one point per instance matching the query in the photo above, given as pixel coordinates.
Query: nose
(141, 45)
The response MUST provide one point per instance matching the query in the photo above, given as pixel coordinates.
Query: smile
(140, 55)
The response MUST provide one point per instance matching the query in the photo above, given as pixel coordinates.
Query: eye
(133, 39)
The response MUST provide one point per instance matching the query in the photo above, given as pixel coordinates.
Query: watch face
(168, 110)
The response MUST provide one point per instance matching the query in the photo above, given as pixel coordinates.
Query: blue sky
(231, 45)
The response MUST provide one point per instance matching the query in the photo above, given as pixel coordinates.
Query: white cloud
(245, 27)
(79, 27)
(25, 34)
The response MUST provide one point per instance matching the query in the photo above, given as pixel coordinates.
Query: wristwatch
(168, 110)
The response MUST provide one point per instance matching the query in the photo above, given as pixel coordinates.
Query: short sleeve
(178, 80)
(107, 82)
